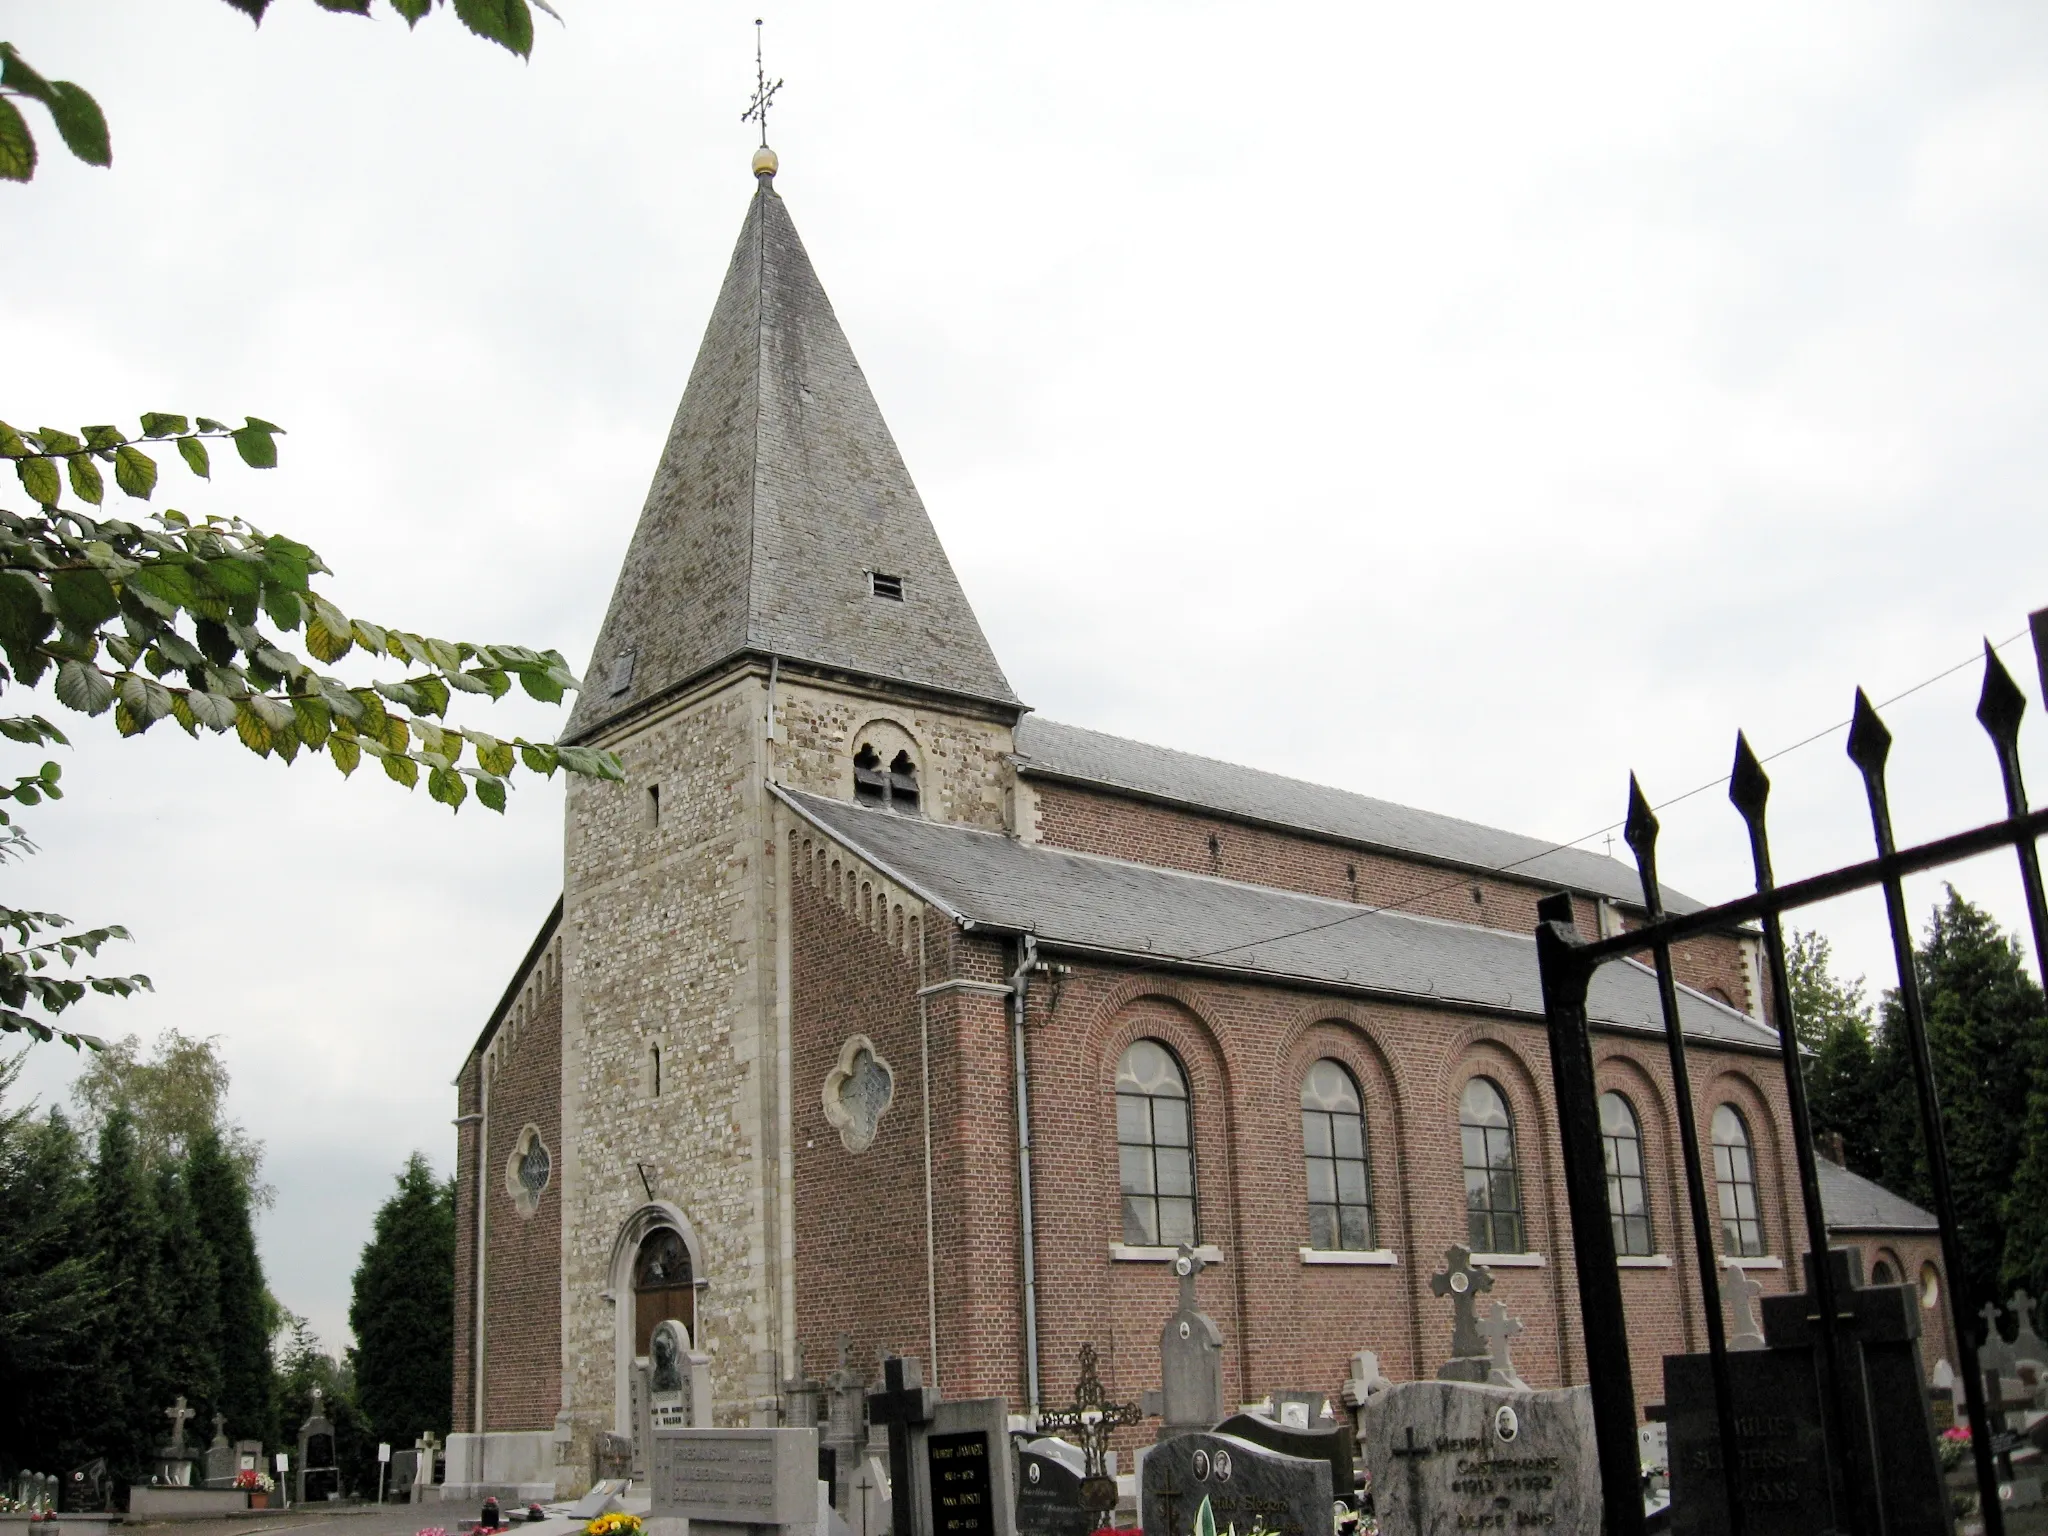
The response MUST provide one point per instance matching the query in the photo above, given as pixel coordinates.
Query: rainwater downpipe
(1027, 957)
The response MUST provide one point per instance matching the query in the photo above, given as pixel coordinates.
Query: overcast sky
(1463, 405)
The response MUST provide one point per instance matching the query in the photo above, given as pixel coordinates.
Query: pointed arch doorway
(656, 1273)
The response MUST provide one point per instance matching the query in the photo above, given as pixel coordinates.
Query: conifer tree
(188, 1295)
(2026, 1228)
(221, 1207)
(51, 1298)
(131, 1392)
(403, 1310)
(1832, 1020)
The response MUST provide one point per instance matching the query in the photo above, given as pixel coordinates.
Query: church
(880, 1015)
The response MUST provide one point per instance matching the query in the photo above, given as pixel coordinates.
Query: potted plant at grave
(617, 1523)
(257, 1485)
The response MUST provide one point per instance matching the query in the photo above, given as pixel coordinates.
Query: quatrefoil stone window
(528, 1170)
(858, 1092)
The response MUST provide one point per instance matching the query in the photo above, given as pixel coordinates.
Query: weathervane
(764, 93)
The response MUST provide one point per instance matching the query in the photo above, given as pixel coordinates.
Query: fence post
(1565, 978)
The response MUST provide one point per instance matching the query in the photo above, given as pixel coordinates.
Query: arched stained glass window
(1155, 1147)
(1333, 1145)
(1742, 1227)
(1493, 1188)
(1628, 1198)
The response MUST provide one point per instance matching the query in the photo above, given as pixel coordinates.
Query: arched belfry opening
(664, 1287)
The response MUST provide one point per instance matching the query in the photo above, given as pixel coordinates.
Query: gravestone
(173, 1459)
(604, 1496)
(1049, 1474)
(868, 1511)
(800, 1398)
(220, 1456)
(405, 1471)
(1242, 1483)
(903, 1406)
(1779, 1418)
(1498, 1329)
(1464, 1282)
(88, 1490)
(428, 1472)
(611, 1455)
(961, 1473)
(1190, 1395)
(844, 1432)
(1745, 1330)
(1093, 1418)
(678, 1380)
(248, 1455)
(1364, 1383)
(1454, 1456)
(2027, 1348)
(1301, 1410)
(319, 1477)
(1327, 1441)
(735, 1482)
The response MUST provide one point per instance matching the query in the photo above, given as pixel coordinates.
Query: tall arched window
(1155, 1150)
(1333, 1144)
(1628, 1200)
(1493, 1190)
(663, 1286)
(1742, 1228)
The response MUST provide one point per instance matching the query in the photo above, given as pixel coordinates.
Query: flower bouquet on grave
(1954, 1446)
(618, 1523)
(250, 1480)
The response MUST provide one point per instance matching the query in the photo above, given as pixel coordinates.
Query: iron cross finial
(764, 92)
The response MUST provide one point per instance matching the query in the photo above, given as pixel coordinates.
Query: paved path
(348, 1520)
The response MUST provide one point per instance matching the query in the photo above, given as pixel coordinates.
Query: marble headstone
(735, 1482)
(1049, 1476)
(1326, 1441)
(1243, 1483)
(1190, 1395)
(1452, 1456)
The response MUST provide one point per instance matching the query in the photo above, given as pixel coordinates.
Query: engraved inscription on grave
(962, 1490)
(1452, 1457)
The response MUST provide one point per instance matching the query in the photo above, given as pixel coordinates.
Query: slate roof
(778, 492)
(1047, 748)
(1852, 1203)
(1143, 912)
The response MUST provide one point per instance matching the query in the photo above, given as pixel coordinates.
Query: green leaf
(81, 122)
(17, 75)
(327, 634)
(85, 599)
(445, 785)
(86, 484)
(256, 446)
(370, 637)
(163, 424)
(351, 7)
(254, 730)
(541, 686)
(210, 709)
(193, 452)
(283, 606)
(492, 755)
(403, 769)
(81, 687)
(181, 711)
(345, 752)
(17, 144)
(315, 721)
(10, 442)
(134, 471)
(492, 793)
(207, 423)
(38, 475)
(411, 10)
(54, 441)
(538, 756)
(506, 22)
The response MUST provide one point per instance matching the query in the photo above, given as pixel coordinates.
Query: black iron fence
(1850, 1454)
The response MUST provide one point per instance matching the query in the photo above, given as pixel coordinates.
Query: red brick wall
(1910, 1254)
(1291, 1325)
(1115, 826)
(522, 1273)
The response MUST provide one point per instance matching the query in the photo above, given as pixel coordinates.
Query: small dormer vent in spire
(886, 586)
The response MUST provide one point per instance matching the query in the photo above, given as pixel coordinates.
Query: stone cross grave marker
(1464, 1282)
(800, 1396)
(903, 1406)
(1049, 1476)
(1498, 1328)
(220, 1456)
(1241, 1484)
(1190, 1394)
(1453, 1456)
(1093, 1418)
(174, 1460)
(1743, 1294)
(844, 1432)
(318, 1475)
(735, 1482)
(1364, 1383)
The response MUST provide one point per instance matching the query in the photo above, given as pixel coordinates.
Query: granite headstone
(1049, 1474)
(1326, 1441)
(1244, 1485)
(1190, 1395)
(1453, 1456)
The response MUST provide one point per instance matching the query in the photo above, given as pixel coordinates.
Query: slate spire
(780, 511)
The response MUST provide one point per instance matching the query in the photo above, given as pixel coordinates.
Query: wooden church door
(663, 1287)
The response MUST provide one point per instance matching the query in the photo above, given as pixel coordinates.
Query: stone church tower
(875, 1010)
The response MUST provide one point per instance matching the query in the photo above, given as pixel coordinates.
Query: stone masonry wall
(962, 760)
(662, 949)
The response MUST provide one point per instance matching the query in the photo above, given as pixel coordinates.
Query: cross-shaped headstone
(1188, 1263)
(1742, 1293)
(1462, 1281)
(1498, 1328)
(1092, 1418)
(1995, 1355)
(902, 1405)
(1365, 1380)
(800, 1396)
(2026, 1344)
(178, 1415)
(220, 1429)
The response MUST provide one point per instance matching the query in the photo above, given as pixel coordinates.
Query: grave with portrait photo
(1190, 1395)
(1243, 1485)
(1453, 1456)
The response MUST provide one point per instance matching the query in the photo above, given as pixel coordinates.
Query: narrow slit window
(653, 811)
(654, 1072)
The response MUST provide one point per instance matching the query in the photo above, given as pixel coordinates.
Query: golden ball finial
(765, 163)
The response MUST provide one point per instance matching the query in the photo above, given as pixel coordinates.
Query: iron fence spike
(2001, 704)
(1870, 743)
(2037, 622)
(1640, 830)
(1749, 787)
